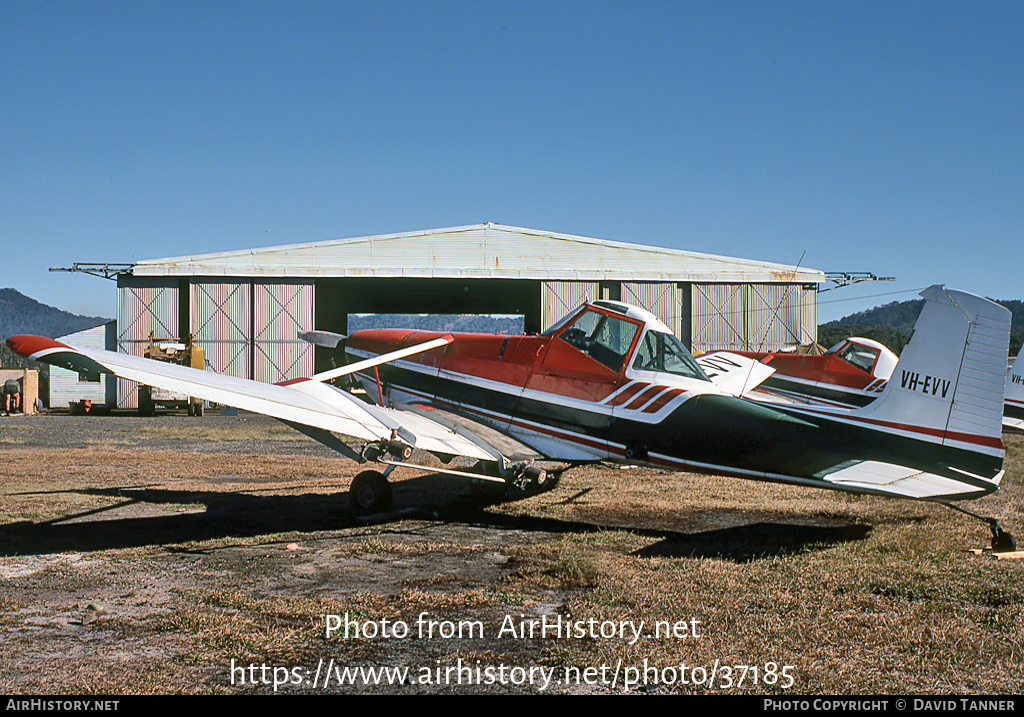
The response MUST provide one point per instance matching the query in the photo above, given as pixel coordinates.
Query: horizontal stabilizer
(733, 373)
(896, 480)
(327, 339)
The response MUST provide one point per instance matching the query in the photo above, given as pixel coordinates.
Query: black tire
(146, 405)
(370, 493)
(540, 480)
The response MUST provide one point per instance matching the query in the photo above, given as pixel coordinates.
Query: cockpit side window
(604, 338)
(664, 352)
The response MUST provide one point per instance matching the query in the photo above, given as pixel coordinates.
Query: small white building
(67, 387)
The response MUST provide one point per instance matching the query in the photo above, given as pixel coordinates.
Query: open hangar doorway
(338, 299)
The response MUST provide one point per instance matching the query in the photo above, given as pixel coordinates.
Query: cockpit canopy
(869, 356)
(606, 339)
(607, 331)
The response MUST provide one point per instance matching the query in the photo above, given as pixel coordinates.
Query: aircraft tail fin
(948, 385)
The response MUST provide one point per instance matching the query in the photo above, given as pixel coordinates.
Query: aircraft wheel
(1003, 542)
(370, 493)
(540, 480)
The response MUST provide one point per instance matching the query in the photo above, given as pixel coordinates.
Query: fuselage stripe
(626, 393)
(644, 397)
(987, 441)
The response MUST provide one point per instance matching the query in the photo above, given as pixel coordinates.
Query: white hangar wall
(67, 387)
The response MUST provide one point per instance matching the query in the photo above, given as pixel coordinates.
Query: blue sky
(862, 136)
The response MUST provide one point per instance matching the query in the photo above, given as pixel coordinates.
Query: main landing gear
(370, 492)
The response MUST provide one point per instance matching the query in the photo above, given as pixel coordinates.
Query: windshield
(666, 353)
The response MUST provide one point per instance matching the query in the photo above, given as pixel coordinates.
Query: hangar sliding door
(558, 298)
(776, 316)
(250, 330)
(660, 298)
(220, 314)
(144, 305)
(753, 317)
(718, 317)
(282, 309)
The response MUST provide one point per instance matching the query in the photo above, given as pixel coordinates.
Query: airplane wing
(308, 404)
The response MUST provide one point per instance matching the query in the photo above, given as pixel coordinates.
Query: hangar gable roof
(478, 251)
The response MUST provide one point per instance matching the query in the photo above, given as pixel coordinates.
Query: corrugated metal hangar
(245, 308)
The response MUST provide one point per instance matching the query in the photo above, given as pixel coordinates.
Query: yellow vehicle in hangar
(171, 350)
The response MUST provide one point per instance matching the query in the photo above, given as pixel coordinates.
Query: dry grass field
(184, 555)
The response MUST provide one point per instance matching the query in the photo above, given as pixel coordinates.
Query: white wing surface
(304, 402)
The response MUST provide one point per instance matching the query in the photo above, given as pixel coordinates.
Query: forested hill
(892, 324)
(21, 315)
(438, 322)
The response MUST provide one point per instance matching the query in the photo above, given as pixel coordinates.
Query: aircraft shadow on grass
(244, 515)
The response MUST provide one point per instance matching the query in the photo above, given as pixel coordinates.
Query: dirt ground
(213, 555)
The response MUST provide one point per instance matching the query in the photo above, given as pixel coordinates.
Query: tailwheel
(1002, 542)
(370, 493)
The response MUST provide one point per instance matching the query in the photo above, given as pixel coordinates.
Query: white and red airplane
(610, 382)
(850, 374)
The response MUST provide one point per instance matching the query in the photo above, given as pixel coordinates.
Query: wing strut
(383, 358)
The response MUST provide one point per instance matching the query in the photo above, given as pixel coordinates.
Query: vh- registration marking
(928, 385)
